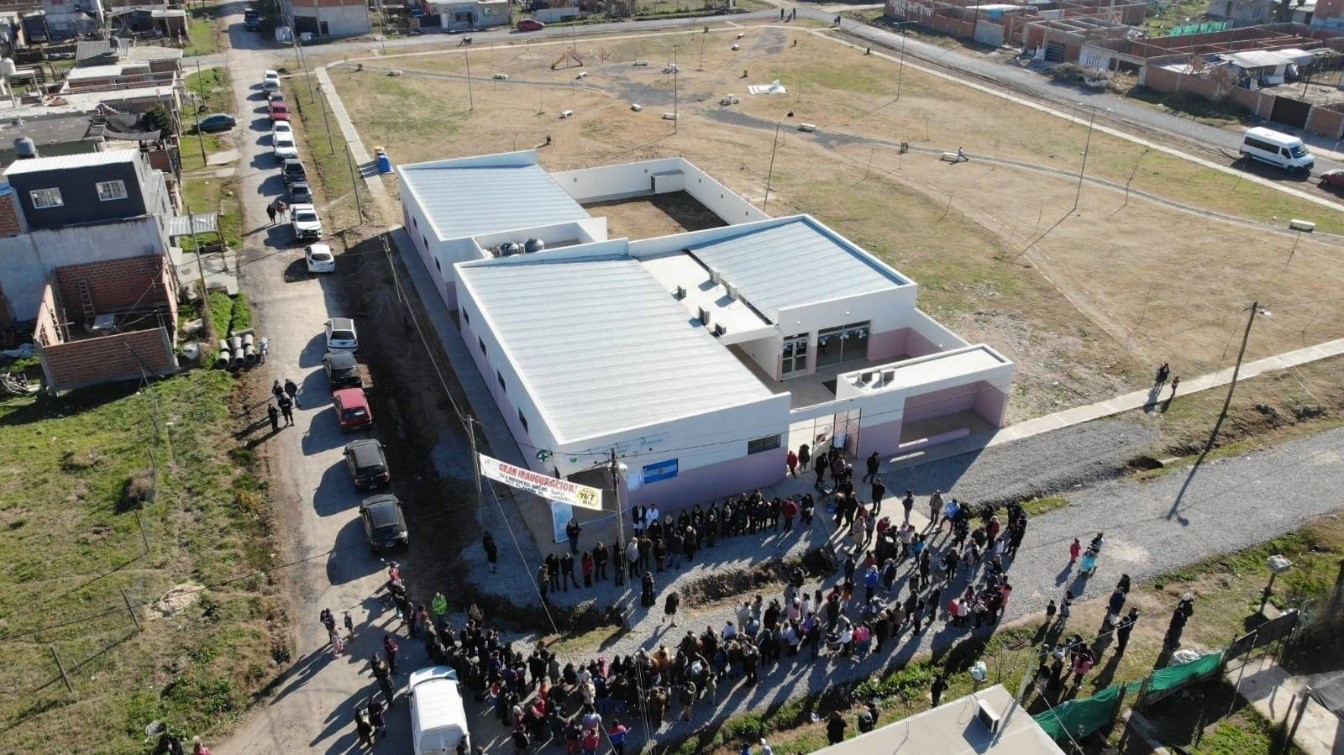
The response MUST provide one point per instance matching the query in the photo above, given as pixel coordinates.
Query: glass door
(795, 355)
(829, 345)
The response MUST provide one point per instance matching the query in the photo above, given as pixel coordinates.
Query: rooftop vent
(731, 289)
(988, 717)
(680, 293)
(25, 148)
(703, 316)
(715, 276)
(719, 331)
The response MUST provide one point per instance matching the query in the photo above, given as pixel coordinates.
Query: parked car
(276, 96)
(384, 522)
(270, 81)
(293, 171)
(530, 24)
(1333, 178)
(352, 409)
(305, 222)
(216, 122)
(300, 193)
(319, 258)
(279, 111)
(251, 19)
(367, 463)
(284, 147)
(342, 370)
(282, 127)
(341, 335)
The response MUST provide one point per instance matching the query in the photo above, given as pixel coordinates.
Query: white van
(438, 718)
(1280, 150)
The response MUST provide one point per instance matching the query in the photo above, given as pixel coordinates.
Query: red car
(1333, 178)
(279, 110)
(352, 409)
(530, 24)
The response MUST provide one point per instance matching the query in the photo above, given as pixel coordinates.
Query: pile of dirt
(175, 600)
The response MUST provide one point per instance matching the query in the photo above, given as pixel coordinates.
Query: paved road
(1151, 528)
(312, 708)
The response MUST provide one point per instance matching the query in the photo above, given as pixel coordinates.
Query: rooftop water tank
(7, 67)
(535, 245)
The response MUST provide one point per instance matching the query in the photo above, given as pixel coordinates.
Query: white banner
(552, 488)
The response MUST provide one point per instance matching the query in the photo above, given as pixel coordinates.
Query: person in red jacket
(789, 510)
(792, 461)
(587, 564)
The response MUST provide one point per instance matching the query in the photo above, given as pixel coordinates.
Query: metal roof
(468, 201)
(64, 162)
(603, 347)
(180, 225)
(796, 263)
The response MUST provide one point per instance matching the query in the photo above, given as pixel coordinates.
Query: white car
(307, 225)
(341, 334)
(270, 81)
(281, 127)
(284, 147)
(320, 259)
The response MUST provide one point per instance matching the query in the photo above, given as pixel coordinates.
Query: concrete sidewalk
(1283, 698)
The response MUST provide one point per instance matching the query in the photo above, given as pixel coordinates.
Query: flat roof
(462, 200)
(681, 269)
(602, 346)
(64, 162)
(952, 729)
(795, 263)
(59, 128)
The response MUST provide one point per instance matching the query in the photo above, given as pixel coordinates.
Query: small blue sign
(663, 470)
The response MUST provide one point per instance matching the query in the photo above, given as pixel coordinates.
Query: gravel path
(1151, 528)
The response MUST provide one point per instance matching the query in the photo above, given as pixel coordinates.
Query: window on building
(768, 443)
(45, 198)
(481, 342)
(522, 419)
(844, 344)
(466, 316)
(111, 190)
(500, 377)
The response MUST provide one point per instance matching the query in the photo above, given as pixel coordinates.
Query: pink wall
(882, 438)
(991, 404)
(712, 482)
(917, 345)
(887, 345)
(938, 403)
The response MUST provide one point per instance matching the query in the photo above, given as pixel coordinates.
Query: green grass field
(87, 482)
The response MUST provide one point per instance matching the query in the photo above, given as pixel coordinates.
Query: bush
(221, 314)
(242, 314)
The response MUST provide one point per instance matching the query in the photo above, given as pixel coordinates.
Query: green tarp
(1078, 718)
(1175, 676)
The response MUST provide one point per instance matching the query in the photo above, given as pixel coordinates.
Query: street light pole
(900, 72)
(774, 147)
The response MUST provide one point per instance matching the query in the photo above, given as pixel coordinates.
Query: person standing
(586, 565)
(391, 648)
(937, 688)
(572, 531)
(835, 728)
(1123, 630)
(789, 510)
(792, 461)
(600, 558)
(375, 709)
(804, 456)
(349, 626)
(878, 491)
(567, 571)
(616, 735)
(270, 212)
(280, 209)
(286, 408)
(491, 551)
(363, 729)
(670, 605)
(1175, 382)
(274, 414)
(384, 677)
(1075, 550)
(820, 464)
(292, 390)
(439, 605)
(646, 597)
(1162, 373)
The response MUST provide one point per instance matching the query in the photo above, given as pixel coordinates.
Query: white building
(701, 357)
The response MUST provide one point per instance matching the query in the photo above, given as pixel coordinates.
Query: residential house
(328, 18)
(72, 18)
(76, 209)
(464, 15)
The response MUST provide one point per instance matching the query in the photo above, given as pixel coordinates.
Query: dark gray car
(342, 370)
(384, 522)
(367, 463)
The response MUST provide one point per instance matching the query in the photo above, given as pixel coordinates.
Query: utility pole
(1245, 337)
(475, 458)
(471, 101)
(900, 72)
(773, 148)
(1087, 146)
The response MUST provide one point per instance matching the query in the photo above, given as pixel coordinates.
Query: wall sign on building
(552, 488)
(663, 470)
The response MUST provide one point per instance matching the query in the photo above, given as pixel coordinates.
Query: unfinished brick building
(105, 321)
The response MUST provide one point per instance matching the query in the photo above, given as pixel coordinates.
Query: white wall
(635, 179)
(721, 200)
(935, 332)
(341, 20)
(766, 353)
(27, 260)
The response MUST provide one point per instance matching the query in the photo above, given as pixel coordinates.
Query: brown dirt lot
(1113, 288)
